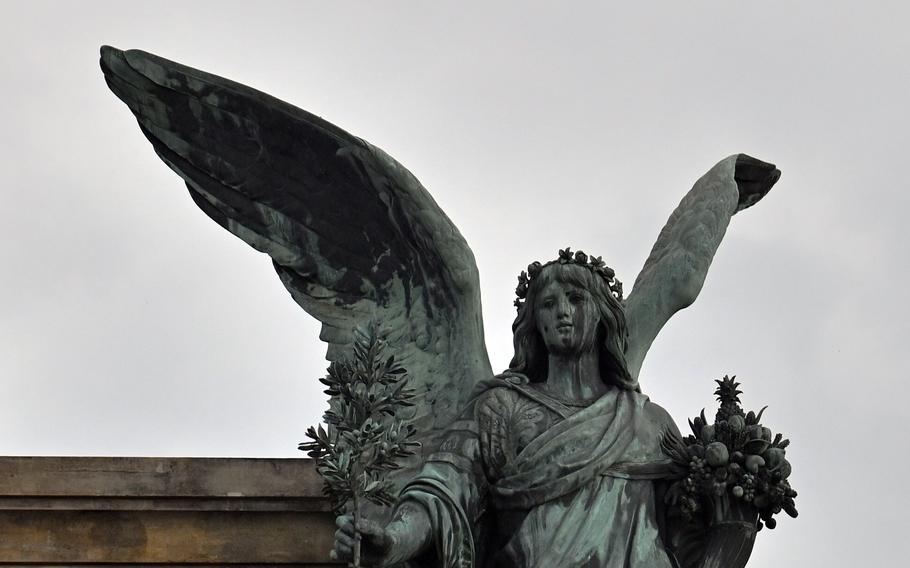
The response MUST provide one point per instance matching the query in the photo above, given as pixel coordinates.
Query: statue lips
(566, 335)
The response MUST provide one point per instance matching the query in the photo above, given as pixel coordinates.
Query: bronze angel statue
(555, 462)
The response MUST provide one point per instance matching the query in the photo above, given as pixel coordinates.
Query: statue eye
(548, 303)
(576, 298)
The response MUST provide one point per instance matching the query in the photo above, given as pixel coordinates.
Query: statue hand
(754, 179)
(402, 539)
(375, 542)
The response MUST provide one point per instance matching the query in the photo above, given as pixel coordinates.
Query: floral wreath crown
(595, 264)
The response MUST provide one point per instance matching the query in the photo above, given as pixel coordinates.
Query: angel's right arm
(452, 488)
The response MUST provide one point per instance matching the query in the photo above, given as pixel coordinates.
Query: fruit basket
(733, 470)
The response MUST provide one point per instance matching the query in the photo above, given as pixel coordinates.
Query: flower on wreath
(567, 256)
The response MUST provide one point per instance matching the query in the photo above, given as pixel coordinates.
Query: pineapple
(727, 394)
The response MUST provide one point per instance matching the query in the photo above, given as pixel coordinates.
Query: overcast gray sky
(130, 324)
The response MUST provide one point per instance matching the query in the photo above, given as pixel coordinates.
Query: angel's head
(570, 308)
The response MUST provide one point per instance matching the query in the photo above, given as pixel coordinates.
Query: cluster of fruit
(736, 454)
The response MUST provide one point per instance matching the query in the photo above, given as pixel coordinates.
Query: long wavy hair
(531, 355)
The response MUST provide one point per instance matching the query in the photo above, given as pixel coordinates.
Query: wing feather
(353, 235)
(675, 271)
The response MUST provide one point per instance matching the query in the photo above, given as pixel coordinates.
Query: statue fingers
(372, 530)
(344, 538)
(341, 553)
(343, 550)
(345, 523)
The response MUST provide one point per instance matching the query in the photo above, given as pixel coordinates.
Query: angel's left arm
(675, 270)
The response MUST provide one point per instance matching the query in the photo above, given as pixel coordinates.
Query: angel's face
(567, 318)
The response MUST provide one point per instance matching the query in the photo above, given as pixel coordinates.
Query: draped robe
(526, 480)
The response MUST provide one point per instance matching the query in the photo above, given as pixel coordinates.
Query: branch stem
(357, 538)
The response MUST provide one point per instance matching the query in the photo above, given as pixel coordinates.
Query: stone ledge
(153, 511)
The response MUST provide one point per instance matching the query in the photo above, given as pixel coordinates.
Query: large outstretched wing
(675, 270)
(353, 235)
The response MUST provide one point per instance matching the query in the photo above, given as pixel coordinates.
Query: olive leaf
(365, 438)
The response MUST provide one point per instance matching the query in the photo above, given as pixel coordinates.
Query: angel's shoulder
(500, 400)
(658, 416)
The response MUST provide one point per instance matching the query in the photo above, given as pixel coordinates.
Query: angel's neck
(575, 377)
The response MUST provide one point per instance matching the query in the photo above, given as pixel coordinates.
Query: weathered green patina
(556, 463)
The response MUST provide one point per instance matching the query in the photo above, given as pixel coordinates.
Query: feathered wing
(675, 270)
(353, 235)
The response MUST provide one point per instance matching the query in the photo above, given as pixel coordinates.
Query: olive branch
(364, 439)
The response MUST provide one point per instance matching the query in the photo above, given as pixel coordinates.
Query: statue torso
(590, 524)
